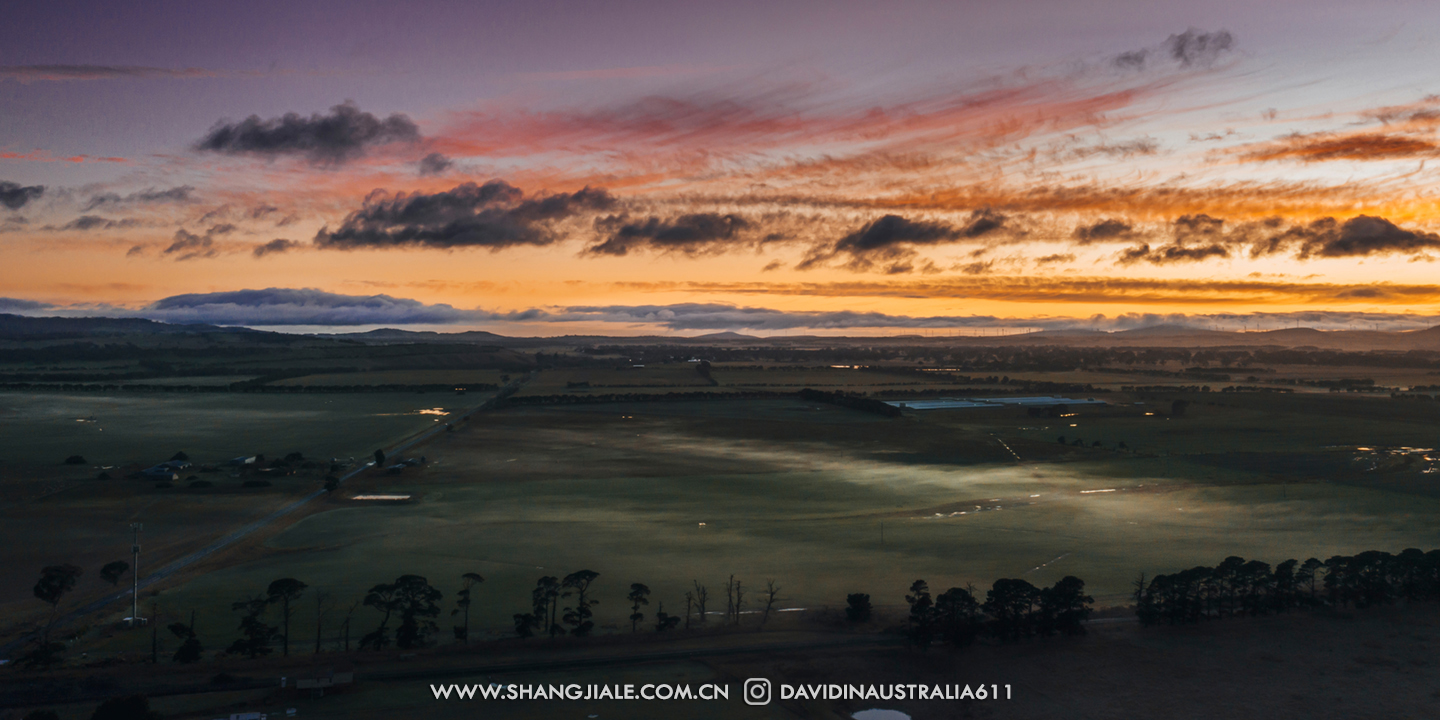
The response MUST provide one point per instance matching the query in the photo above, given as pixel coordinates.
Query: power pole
(135, 576)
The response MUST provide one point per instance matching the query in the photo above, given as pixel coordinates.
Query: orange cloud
(1362, 146)
(1090, 290)
(44, 156)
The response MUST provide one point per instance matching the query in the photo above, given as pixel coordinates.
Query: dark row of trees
(1250, 587)
(578, 617)
(1016, 358)
(1013, 609)
(644, 397)
(852, 401)
(242, 387)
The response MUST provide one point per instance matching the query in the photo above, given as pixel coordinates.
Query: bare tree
(739, 601)
(638, 596)
(348, 613)
(663, 620)
(322, 604)
(771, 593)
(729, 599)
(462, 604)
(700, 597)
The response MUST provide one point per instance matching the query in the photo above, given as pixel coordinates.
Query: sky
(625, 168)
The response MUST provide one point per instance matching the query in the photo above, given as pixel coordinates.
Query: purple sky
(684, 111)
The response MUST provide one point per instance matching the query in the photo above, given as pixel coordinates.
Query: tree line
(245, 387)
(1251, 587)
(1013, 609)
(406, 611)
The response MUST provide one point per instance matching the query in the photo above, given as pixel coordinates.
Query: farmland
(681, 474)
(116, 429)
(623, 489)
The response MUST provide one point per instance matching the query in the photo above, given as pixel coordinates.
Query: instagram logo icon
(757, 691)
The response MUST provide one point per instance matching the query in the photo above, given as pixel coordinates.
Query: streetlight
(135, 576)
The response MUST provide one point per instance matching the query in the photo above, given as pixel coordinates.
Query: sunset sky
(548, 168)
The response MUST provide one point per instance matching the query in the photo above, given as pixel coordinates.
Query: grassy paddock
(44, 428)
(459, 378)
(798, 494)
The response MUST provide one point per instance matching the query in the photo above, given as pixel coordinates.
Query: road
(225, 541)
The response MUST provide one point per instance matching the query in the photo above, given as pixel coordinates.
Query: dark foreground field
(1370, 664)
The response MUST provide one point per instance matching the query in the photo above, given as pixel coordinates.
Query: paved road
(235, 536)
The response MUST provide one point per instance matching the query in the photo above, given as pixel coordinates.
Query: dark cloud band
(343, 134)
(693, 233)
(494, 215)
(16, 196)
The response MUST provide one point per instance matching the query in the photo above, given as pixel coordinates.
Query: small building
(159, 473)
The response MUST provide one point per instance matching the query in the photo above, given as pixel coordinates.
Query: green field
(798, 494)
(44, 428)
(67, 515)
(398, 377)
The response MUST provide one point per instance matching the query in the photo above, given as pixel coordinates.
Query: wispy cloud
(45, 156)
(1082, 290)
(52, 73)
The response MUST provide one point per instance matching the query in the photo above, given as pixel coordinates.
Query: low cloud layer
(316, 308)
(286, 306)
(17, 305)
(344, 134)
(494, 215)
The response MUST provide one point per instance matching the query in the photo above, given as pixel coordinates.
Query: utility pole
(135, 576)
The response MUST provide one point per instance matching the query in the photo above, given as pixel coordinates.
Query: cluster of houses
(400, 466)
(168, 471)
(171, 470)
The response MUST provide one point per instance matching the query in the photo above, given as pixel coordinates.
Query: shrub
(75, 460)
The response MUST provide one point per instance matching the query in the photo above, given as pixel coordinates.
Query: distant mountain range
(21, 328)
